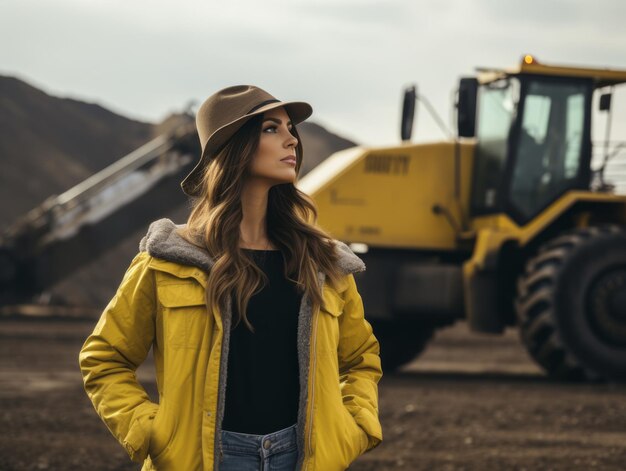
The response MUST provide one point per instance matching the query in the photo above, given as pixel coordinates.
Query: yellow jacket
(160, 304)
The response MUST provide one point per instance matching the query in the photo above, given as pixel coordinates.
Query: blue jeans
(277, 451)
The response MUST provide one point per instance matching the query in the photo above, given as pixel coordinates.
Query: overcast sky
(349, 58)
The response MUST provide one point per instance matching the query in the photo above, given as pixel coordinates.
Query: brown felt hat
(223, 114)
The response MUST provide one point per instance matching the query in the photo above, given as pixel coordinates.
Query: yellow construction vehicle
(507, 224)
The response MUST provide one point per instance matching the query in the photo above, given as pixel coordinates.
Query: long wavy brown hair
(216, 215)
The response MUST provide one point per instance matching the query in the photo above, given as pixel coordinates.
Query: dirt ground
(470, 402)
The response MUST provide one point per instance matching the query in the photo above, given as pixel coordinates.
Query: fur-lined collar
(163, 242)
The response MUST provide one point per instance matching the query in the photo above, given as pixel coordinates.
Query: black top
(262, 384)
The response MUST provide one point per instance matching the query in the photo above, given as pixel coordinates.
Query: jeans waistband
(250, 443)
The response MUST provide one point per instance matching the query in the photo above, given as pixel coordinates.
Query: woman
(291, 382)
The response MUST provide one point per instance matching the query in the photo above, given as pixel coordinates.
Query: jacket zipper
(313, 366)
(217, 439)
(217, 442)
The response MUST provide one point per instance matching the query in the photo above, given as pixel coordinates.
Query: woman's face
(275, 158)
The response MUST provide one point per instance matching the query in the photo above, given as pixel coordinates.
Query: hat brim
(298, 111)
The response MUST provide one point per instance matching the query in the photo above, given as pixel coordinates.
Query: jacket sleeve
(359, 365)
(110, 356)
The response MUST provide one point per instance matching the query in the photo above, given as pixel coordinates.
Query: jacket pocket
(333, 302)
(184, 314)
(328, 323)
(160, 435)
(356, 436)
(359, 435)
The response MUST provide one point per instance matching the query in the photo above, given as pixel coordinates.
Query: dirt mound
(49, 144)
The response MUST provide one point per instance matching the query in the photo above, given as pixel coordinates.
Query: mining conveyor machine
(69, 230)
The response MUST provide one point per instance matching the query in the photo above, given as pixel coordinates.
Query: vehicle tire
(400, 341)
(571, 305)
